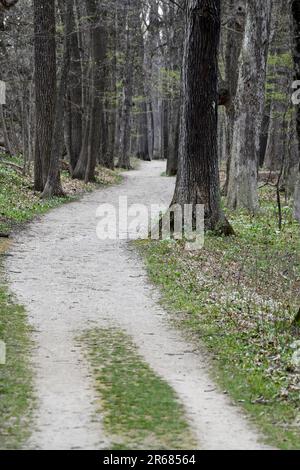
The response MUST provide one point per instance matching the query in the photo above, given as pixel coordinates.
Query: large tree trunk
(198, 172)
(296, 36)
(242, 188)
(53, 185)
(45, 87)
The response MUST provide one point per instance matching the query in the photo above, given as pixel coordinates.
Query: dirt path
(70, 281)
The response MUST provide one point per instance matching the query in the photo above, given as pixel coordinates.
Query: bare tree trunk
(174, 38)
(234, 41)
(53, 185)
(124, 158)
(153, 63)
(242, 189)
(142, 126)
(165, 113)
(296, 35)
(142, 144)
(98, 39)
(45, 87)
(112, 124)
(7, 143)
(279, 80)
(75, 97)
(86, 164)
(198, 173)
(172, 162)
(80, 169)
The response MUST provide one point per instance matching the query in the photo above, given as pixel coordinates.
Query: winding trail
(70, 281)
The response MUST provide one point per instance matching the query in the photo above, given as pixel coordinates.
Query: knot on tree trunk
(224, 98)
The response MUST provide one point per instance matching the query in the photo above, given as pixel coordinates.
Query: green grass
(140, 410)
(15, 376)
(19, 203)
(239, 296)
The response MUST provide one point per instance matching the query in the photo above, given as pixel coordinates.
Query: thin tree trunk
(172, 162)
(98, 39)
(109, 162)
(7, 143)
(86, 165)
(234, 41)
(75, 97)
(142, 126)
(124, 158)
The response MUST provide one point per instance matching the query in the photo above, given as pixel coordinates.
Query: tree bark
(142, 125)
(113, 102)
(45, 87)
(198, 172)
(172, 162)
(278, 80)
(7, 143)
(124, 157)
(296, 35)
(98, 38)
(234, 41)
(53, 185)
(249, 106)
(86, 165)
(75, 97)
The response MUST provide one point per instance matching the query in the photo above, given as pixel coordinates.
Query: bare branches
(6, 4)
(176, 4)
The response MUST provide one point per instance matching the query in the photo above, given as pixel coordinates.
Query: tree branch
(6, 4)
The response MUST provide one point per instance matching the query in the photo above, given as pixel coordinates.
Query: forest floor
(20, 204)
(109, 370)
(239, 296)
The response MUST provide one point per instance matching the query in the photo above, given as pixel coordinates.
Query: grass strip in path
(140, 410)
(20, 204)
